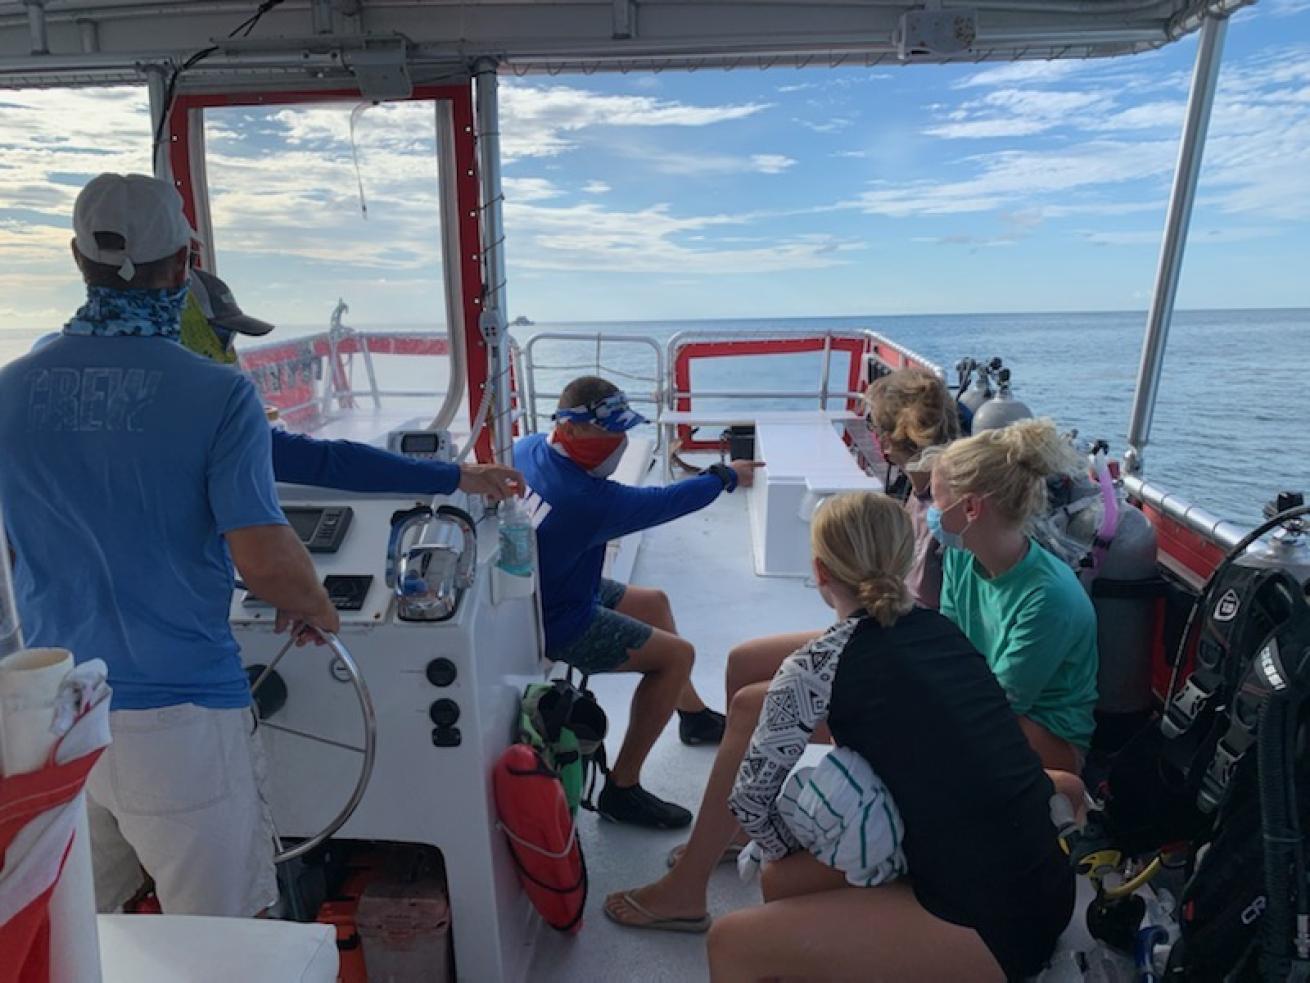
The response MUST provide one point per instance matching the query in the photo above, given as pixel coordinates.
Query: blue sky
(1014, 187)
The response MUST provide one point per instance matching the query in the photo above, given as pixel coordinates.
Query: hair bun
(885, 597)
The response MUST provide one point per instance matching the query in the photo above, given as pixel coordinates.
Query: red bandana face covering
(588, 453)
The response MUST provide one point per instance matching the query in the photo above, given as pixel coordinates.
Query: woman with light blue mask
(1022, 607)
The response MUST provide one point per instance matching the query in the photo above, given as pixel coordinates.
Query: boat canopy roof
(388, 46)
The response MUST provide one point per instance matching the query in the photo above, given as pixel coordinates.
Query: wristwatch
(725, 474)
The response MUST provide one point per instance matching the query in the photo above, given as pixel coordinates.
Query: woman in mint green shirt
(1019, 605)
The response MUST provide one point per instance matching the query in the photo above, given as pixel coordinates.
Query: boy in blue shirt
(599, 625)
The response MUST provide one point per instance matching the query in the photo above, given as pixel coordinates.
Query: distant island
(522, 322)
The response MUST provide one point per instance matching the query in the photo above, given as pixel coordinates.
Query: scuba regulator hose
(1284, 847)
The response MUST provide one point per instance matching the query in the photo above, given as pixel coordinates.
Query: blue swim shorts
(605, 643)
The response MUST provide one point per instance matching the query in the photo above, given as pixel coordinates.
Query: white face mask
(608, 466)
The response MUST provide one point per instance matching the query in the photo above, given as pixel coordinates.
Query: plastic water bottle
(518, 540)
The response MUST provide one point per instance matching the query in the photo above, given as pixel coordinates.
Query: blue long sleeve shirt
(348, 466)
(576, 514)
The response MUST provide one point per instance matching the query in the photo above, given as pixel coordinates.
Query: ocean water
(1228, 434)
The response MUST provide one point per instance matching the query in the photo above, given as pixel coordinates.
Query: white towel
(843, 814)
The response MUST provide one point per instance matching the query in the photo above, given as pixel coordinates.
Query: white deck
(703, 562)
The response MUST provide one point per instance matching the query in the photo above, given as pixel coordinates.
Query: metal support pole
(494, 317)
(157, 88)
(89, 31)
(37, 26)
(1209, 55)
(320, 12)
(448, 199)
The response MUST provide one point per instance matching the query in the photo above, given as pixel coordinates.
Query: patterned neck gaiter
(143, 313)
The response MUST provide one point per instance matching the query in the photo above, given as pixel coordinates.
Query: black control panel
(347, 591)
(322, 528)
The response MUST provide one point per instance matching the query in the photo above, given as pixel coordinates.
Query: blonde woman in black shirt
(988, 890)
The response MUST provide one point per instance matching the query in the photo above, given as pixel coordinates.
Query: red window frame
(187, 110)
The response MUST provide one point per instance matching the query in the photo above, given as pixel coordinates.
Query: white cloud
(1102, 143)
(1147, 116)
(542, 120)
(528, 189)
(1022, 72)
(1021, 112)
(704, 164)
(655, 240)
(596, 188)
(771, 163)
(1013, 178)
(1289, 8)
(833, 124)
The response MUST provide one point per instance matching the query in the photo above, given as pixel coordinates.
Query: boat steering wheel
(368, 752)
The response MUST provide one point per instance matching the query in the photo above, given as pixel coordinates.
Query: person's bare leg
(797, 874)
(681, 892)
(810, 937)
(652, 607)
(665, 663)
(757, 660)
(1056, 753)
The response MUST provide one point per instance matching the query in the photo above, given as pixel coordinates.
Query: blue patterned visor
(611, 413)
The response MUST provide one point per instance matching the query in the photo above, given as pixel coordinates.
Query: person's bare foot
(729, 854)
(656, 899)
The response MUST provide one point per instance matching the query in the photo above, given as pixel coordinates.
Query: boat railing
(1194, 538)
(595, 361)
(303, 378)
(866, 354)
(849, 360)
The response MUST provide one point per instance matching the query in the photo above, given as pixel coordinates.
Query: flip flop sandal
(730, 854)
(692, 926)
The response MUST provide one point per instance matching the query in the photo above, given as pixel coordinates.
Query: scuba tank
(1002, 409)
(975, 385)
(1124, 593)
(1112, 548)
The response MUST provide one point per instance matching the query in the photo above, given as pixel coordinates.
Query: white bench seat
(805, 460)
(195, 949)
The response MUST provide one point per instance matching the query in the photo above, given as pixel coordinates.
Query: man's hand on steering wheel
(306, 626)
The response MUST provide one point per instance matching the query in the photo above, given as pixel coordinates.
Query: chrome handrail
(1206, 524)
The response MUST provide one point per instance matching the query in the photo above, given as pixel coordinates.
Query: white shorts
(178, 792)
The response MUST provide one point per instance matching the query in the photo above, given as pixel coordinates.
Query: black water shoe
(637, 807)
(702, 727)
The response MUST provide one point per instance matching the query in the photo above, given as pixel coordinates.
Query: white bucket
(29, 683)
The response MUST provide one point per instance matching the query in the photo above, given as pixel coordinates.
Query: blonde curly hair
(912, 410)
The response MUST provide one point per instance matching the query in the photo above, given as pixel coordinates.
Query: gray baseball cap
(220, 307)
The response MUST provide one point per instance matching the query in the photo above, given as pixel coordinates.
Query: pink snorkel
(1109, 515)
